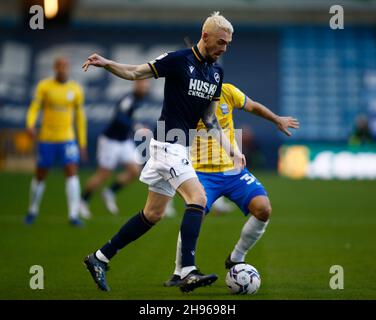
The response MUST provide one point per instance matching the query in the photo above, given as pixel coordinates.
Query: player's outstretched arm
(211, 122)
(283, 123)
(125, 71)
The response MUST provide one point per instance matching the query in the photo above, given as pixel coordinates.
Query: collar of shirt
(198, 55)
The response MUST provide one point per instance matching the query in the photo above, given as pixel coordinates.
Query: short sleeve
(219, 76)
(165, 65)
(239, 98)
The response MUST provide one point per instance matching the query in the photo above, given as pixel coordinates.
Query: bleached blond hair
(216, 21)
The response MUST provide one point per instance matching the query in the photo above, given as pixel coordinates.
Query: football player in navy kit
(192, 89)
(117, 147)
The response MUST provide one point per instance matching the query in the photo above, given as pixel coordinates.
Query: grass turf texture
(315, 224)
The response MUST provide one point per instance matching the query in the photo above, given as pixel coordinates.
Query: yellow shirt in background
(60, 103)
(206, 153)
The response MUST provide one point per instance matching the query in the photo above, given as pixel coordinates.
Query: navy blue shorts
(63, 152)
(240, 188)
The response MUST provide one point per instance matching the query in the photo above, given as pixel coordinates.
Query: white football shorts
(167, 168)
(111, 153)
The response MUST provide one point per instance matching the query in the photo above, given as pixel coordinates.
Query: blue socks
(189, 231)
(132, 230)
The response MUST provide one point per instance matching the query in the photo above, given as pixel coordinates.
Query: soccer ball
(243, 279)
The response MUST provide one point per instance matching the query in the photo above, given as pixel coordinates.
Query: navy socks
(115, 187)
(132, 230)
(139, 225)
(189, 231)
(86, 195)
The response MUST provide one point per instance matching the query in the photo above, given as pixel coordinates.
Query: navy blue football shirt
(191, 83)
(126, 112)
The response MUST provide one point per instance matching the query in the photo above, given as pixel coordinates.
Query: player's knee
(41, 174)
(101, 175)
(104, 176)
(96, 180)
(198, 198)
(263, 212)
(70, 170)
(40, 178)
(153, 214)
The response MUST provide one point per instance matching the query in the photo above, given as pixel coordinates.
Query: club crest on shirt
(70, 95)
(216, 77)
(224, 108)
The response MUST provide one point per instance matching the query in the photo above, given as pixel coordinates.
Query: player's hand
(83, 154)
(95, 60)
(284, 123)
(31, 132)
(239, 161)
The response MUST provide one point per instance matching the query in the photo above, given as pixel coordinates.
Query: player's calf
(155, 207)
(253, 229)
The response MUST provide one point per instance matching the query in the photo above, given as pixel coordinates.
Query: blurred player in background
(361, 134)
(216, 173)
(117, 147)
(192, 89)
(61, 100)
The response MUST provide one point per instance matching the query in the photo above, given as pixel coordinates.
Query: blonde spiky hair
(216, 21)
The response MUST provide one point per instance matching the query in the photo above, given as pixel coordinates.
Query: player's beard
(212, 58)
(61, 78)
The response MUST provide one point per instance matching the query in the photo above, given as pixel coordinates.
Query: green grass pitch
(315, 224)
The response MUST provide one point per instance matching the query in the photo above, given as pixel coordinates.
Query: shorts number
(71, 151)
(249, 178)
